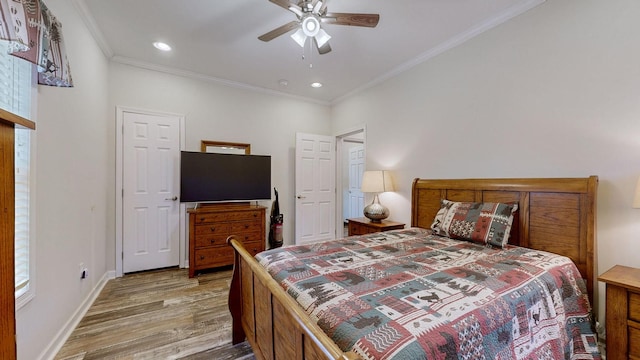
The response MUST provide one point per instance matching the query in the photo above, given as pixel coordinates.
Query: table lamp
(376, 181)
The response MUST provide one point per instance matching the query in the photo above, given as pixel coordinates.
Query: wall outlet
(84, 273)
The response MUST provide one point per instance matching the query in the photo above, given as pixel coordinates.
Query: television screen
(212, 177)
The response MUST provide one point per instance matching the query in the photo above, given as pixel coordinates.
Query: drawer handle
(213, 241)
(213, 228)
(201, 257)
(246, 237)
(202, 219)
(246, 226)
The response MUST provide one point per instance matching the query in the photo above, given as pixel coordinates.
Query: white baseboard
(61, 337)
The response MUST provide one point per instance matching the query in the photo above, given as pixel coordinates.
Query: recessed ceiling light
(316, 85)
(162, 46)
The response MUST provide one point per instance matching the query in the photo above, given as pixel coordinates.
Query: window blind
(15, 96)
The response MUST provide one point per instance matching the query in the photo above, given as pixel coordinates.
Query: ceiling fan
(310, 14)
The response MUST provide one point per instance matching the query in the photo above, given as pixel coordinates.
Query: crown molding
(90, 22)
(461, 38)
(211, 79)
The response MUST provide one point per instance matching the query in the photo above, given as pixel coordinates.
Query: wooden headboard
(557, 215)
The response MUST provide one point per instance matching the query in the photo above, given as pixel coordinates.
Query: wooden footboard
(269, 319)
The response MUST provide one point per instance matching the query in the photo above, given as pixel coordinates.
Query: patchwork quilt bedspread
(409, 294)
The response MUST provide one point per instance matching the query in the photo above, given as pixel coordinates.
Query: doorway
(350, 165)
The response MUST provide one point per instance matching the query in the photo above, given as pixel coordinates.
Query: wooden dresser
(211, 224)
(623, 312)
(361, 226)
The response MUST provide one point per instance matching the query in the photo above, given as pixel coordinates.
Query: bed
(556, 216)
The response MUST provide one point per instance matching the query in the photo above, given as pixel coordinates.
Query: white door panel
(315, 187)
(356, 169)
(150, 179)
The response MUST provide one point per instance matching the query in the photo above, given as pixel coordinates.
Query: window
(16, 87)
(22, 157)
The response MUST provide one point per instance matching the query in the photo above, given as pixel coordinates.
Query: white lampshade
(299, 37)
(636, 197)
(322, 37)
(376, 181)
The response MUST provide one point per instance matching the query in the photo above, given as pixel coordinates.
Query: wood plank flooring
(158, 315)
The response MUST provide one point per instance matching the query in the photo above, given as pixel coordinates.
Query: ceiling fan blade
(324, 49)
(282, 3)
(279, 31)
(366, 20)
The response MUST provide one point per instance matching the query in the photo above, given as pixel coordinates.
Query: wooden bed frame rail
(267, 304)
(556, 215)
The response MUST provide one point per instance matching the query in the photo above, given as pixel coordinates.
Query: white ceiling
(217, 40)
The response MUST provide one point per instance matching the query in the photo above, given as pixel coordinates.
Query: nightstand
(623, 312)
(361, 226)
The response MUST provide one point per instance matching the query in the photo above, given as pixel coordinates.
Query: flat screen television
(212, 177)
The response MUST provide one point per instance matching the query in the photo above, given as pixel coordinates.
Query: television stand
(211, 224)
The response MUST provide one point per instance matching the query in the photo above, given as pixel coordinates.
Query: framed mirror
(223, 147)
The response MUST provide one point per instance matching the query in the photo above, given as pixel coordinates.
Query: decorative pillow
(483, 223)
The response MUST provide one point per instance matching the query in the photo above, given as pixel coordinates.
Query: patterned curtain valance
(35, 35)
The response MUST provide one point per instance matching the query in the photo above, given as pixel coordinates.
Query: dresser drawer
(212, 257)
(634, 306)
(356, 229)
(223, 255)
(213, 229)
(250, 237)
(634, 341)
(211, 240)
(244, 215)
(246, 227)
(204, 218)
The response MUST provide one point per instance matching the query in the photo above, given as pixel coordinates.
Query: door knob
(173, 198)
(301, 197)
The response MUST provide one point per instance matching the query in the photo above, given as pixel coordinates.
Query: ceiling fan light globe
(311, 26)
(299, 37)
(322, 38)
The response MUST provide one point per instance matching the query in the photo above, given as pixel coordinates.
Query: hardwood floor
(158, 315)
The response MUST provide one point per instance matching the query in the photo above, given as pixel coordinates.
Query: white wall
(72, 175)
(554, 92)
(221, 113)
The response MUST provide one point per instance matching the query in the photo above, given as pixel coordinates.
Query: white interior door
(355, 201)
(150, 183)
(315, 188)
